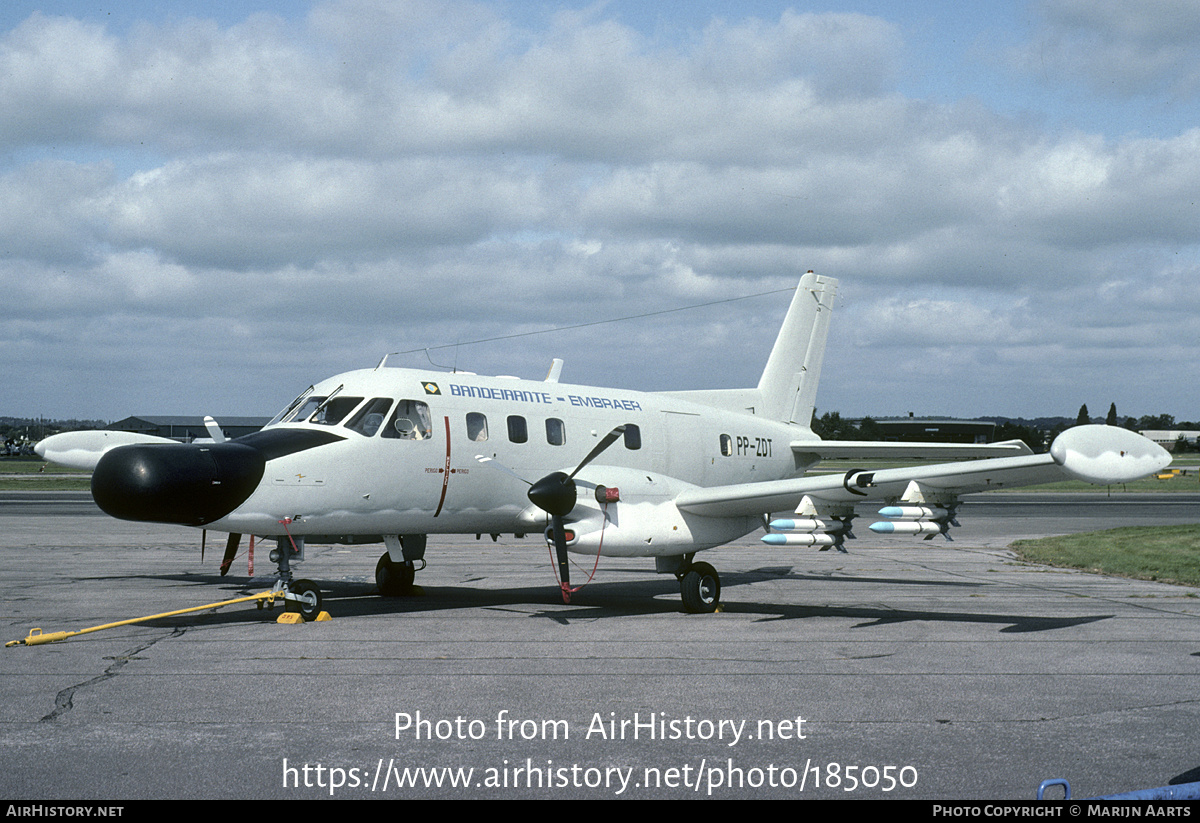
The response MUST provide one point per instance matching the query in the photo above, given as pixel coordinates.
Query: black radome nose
(181, 483)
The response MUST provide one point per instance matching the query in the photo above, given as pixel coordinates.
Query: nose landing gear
(301, 596)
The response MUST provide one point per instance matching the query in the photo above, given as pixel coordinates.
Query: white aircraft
(393, 455)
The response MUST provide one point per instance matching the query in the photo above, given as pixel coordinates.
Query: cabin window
(410, 421)
(556, 432)
(370, 417)
(633, 437)
(477, 427)
(333, 412)
(518, 431)
(727, 445)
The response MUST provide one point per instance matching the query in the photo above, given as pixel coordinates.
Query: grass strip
(1167, 554)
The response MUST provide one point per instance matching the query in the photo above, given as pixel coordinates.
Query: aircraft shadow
(658, 595)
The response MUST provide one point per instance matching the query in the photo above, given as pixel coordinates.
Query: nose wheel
(700, 588)
(305, 597)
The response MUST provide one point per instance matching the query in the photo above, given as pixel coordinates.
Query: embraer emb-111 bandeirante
(391, 455)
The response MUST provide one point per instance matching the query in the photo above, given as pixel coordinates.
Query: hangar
(936, 430)
(186, 428)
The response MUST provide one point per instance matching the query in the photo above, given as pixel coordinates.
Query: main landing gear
(397, 568)
(700, 587)
(394, 579)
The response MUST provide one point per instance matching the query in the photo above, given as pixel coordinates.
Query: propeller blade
(560, 551)
(496, 464)
(608, 440)
(214, 431)
(231, 547)
(555, 494)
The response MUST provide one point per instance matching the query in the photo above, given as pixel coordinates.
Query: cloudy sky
(206, 206)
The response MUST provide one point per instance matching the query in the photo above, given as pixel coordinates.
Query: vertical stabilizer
(789, 382)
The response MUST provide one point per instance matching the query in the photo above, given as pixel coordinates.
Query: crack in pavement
(64, 700)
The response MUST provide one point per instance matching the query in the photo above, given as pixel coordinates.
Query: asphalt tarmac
(902, 669)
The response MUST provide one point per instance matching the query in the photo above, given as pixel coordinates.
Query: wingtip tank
(1107, 454)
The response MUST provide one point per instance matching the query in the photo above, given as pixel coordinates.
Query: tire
(309, 604)
(700, 588)
(394, 579)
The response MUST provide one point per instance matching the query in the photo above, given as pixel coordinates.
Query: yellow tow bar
(37, 636)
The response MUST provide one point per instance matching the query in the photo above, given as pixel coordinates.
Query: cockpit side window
(477, 429)
(332, 413)
(370, 417)
(410, 421)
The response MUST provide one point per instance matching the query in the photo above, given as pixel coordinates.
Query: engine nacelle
(645, 520)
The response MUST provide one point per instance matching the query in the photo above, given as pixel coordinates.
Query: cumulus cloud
(1119, 48)
(289, 197)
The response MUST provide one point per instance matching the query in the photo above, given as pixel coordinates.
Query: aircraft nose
(180, 483)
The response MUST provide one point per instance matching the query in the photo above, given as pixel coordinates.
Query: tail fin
(789, 382)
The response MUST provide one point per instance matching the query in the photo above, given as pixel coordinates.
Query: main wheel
(394, 579)
(309, 598)
(700, 588)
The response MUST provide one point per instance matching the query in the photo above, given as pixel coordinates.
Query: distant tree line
(15, 431)
(1037, 433)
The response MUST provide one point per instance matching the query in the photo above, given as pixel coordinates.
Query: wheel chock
(296, 617)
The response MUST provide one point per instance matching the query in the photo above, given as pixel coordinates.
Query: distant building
(1168, 439)
(185, 429)
(941, 430)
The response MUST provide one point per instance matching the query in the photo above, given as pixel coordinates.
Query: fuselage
(398, 454)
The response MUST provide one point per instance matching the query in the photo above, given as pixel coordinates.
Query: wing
(1095, 454)
(809, 450)
(83, 449)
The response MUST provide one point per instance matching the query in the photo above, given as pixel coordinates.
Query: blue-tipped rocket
(908, 527)
(808, 531)
(914, 512)
(796, 539)
(809, 525)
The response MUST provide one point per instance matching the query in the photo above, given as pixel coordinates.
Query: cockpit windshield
(409, 419)
(310, 405)
(334, 410)
(370, 417)
(287, 413)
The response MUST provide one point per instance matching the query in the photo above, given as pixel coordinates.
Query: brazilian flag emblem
(432, 388)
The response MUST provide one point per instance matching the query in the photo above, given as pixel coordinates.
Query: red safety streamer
(566, 588)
